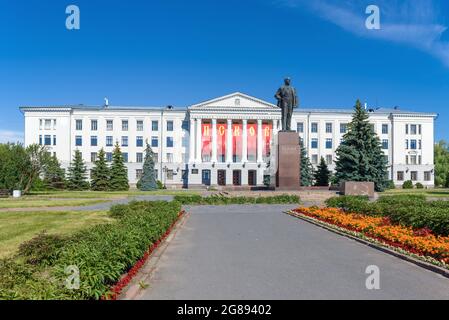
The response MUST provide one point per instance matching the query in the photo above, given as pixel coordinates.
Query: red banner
(252, 142)
(206, 150)
(266, 139)
(237, 142)
(221, 142)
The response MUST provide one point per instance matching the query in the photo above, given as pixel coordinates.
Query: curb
(133, 288)
(431, 267)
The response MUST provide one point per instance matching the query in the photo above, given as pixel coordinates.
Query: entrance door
(252, 177)
(221, 177)
(237, 178)
(206, 177)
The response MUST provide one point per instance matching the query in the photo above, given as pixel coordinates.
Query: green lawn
(105, 195)
(434, 193)
(36, 202)
(17, 227)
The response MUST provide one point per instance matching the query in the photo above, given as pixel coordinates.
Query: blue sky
(155, 53)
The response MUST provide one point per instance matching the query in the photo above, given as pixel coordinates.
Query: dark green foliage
(322, 174)
(119, 210)
(54, 175)
(148, 180)
(42, 249)
(447, 181)
(306, 167)
(442, 164)
(102, 253)
(77, 173)
(160, 185)
(360, 156)
(407, 184)
(419, 185)
(119, 173)
(409, 210)
(390, 185)
(223, 200)
(100, 173)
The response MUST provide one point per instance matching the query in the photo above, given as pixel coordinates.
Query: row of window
(413, 160)
(413, 129)
(329, 127)
(139, 157)
(413, 144)
(47, 124)
(124, 141)
(125, 125)
(47, 140)
(414, 176)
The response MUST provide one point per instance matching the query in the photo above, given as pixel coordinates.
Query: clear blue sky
(177, 52)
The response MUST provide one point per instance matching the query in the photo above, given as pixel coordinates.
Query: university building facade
(228, 141)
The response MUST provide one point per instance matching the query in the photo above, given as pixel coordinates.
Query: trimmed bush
(419, 185)
(407, 184)
(223, 200)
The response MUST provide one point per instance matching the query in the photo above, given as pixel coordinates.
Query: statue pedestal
(288, 159)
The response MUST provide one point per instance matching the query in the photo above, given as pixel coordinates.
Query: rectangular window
(328, 143)
(328, 127)
(406, 144)
(155, 125)
(94, 141)
(109, 141)
(400, 175)
(124, 141)
(314, 159)
(93, 157)
(54, 124)
(40, 140)
(125, 157)
(139, 174)
(420, 144)
(109, 156)
(47, 140)
(79, 125)
(54, 140)
(300, 127)
(139, 141)
(169, 142)
(78, 141)
(385, 129)
(94, 125)
(413, 129)
(385, 144)
(139, 157)
(427, 176)
(419, 160)
(419, 129)
(406, 160)
(139, 125)
(109, 125)
(125, 125)
(314, 128)
(154, 142)
(170, 157)
(155, 157)
(47, 124)
(414, 175)
(314, 143)
(185, 125)
(170, 175)
(343, 127)
(169, 125)
(40, 124)
(329, 159)
(413, 160)
(406, 129)
(413, 144)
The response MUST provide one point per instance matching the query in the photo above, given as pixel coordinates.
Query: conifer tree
(306, 167)
(119, 173)
(100, 173)
(148, 180)
(322, 174)
(77, 173)
(360, 156)
(54, 175)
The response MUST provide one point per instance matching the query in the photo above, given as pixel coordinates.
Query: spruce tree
(306, 167)
(77, 173)
(119, 173)
(148, 180)
(322, 174)
(360, 156)
(100, 173)
(54, 175)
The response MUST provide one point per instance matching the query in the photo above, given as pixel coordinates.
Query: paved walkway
(257, 252)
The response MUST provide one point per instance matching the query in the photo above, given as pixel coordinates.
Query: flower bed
(419, 243)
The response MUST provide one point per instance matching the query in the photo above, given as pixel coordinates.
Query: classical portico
(231, 139)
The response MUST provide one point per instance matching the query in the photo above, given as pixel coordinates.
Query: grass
(17, 227)
(105, 195)
(33, 202)
(433, 193)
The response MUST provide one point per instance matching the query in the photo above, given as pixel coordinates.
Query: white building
(194, 148)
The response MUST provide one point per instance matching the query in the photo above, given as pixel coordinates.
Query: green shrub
(407, 184)
(419, 185)
(42, 249)
(119, 210)
(223, 200)
(390, 185)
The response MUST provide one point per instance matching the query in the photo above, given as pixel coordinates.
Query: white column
(192, 141)
(214, 140)
(198, 141)
(245, 142)
(229, 142)
(259, 141)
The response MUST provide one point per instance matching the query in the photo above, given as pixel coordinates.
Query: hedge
(408, 210)
(102, 253)
(223, 200)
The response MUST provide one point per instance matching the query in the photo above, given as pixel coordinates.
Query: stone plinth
(288, 174)
(351, 188)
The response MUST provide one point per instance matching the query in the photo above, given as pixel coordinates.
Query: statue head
(287, 81)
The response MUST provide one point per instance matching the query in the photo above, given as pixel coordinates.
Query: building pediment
(235, 102)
